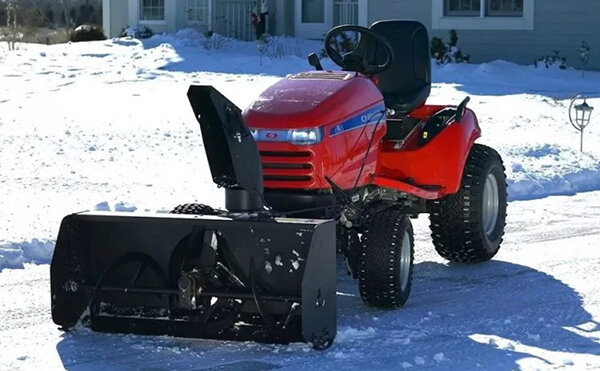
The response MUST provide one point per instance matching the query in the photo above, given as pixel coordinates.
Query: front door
(199, 13)
(313, 18)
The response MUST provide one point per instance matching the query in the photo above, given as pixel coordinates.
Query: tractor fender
(438, 163)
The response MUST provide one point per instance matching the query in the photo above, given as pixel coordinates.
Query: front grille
(288, 178)
(284, 154)
(287, 168)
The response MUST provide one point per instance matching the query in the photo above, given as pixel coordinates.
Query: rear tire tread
(455, 220)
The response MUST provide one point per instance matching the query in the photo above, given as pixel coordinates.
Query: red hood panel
(311, 100)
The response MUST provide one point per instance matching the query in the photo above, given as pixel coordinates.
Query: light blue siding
(558, 25)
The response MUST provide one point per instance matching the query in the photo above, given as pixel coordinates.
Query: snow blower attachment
(240, 275)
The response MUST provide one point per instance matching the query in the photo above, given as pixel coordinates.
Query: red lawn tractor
(321, 162)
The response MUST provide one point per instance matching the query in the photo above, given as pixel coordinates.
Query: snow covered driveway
(107, 125)
(534, 306)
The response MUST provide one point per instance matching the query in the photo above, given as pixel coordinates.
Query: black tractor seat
(406, 84)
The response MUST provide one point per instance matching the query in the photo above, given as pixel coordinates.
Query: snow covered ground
(107, 125)
(535, 306)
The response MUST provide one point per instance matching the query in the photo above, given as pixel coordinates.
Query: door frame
(312, 30)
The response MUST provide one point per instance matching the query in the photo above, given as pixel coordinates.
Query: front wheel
(194, 209)
(385, 264)
(468, 227)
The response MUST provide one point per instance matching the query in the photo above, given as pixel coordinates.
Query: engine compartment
(340, 115)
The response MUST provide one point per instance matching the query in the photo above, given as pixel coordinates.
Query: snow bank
(15, 254)
(503, 78)
(546, 169)
(282, 56)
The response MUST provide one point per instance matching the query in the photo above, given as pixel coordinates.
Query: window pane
(152, 10)
(466, 8)
(313, 11)
(505, 8)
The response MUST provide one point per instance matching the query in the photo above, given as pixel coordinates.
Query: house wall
(180, 14)
(558, 25)
(284, 17)
(118, 17)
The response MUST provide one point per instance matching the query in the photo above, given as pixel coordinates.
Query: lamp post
(583, 115)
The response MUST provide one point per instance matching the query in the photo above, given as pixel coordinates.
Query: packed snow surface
(107, 126)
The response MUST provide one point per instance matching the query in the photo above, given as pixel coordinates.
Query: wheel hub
(490, 205)
(405, 261)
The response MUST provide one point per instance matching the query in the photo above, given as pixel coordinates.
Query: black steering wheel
(365, 56)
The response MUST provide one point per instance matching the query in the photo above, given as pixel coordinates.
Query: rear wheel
(385, 264)
(468, 227)
(194, 209)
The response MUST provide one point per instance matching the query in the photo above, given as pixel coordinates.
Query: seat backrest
(407, 83)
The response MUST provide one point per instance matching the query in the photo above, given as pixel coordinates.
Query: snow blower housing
(321, 162)
(242, 276)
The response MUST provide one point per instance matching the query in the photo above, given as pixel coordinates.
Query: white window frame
(442, 22)
(152, 21)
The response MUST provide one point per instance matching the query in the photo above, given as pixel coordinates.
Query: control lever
(461, 108)
(314, 61)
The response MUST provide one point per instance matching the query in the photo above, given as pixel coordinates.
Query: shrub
(552, 60)
(33, 18)
(213, 41)
(138, 32)
(276, 50)
(444, 53)
(87, 33)
(438, 48)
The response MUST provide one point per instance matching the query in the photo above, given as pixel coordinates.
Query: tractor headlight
(301, 137)
(306, 136)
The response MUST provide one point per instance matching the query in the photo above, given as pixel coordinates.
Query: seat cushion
(407, 102)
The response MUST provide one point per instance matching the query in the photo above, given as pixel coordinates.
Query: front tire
(468, 227)
(194, 209)
(385, 264)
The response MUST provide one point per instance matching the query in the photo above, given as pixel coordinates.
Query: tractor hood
(312, 99)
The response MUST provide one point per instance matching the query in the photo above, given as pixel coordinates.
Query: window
(504, 8)
(313, 11)
(464, 8)
(152, 10)
(493, 8)
(483, 14)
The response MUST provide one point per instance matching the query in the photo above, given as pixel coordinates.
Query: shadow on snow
(449, 305)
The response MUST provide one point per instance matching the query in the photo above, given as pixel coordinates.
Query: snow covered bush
(87, 33)
(552, 60)
(213, 41)
(137, 32)
(445, 53)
